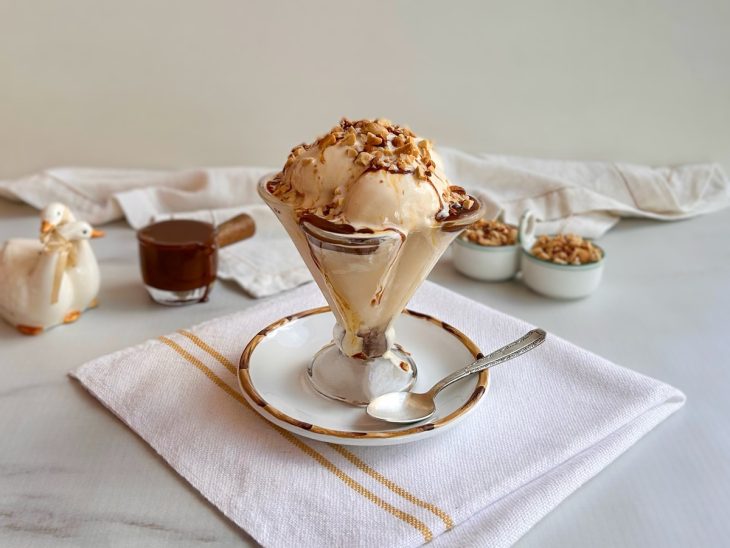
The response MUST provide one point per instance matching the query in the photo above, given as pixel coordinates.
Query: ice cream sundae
(370, 210)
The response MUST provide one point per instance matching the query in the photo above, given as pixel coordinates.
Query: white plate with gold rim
(272, 376)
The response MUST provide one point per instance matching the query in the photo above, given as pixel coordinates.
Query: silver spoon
(406, 407)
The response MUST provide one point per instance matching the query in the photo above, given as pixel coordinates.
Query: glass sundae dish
(370, 212)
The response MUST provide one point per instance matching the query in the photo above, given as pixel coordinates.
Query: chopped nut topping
(381, 162)
(376, 145)
(349, 139)
(408, 148)
(489, 232)
(327, 140)
(376, 129)
(566, 249)
(364, 158)
(374, 140)
(426, 156)
(394, 147)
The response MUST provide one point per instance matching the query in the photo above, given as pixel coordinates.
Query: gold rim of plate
(244, 379)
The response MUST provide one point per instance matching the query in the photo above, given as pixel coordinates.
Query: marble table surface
(71, 474)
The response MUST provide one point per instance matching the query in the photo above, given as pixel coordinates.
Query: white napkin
(588, 198)
(485, 482)
(104, 195)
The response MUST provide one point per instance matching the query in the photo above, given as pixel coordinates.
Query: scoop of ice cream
(370, 174)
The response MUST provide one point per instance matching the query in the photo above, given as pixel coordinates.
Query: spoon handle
(524, 344)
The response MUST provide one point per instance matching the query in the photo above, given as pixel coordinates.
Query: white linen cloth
(482, 483)
(588, 198)
(583, 197)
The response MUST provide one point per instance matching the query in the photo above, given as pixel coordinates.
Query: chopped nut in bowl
(562, 266)
(491, 233)
(566, 249)
(487, 250)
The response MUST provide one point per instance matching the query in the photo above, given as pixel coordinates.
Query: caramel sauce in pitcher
(178, 255)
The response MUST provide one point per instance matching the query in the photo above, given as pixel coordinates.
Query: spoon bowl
(402, 407)
(409, 407)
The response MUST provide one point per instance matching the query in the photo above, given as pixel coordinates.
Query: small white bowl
(552, 279)
(483, 262)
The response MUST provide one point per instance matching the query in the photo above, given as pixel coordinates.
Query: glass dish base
(179, 298)
(356, 381)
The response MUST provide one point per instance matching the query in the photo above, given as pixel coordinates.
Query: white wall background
(171, 83)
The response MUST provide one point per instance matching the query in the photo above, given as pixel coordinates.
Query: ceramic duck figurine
(85, 278)
(53, 216)
(36, 291)
(84, 275)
